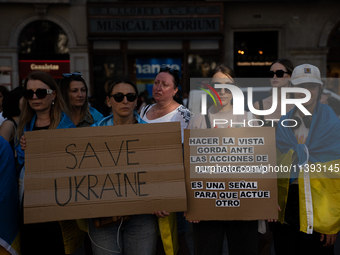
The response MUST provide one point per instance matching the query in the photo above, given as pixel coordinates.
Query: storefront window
(254, 52)
(43, 40)
(333, 61)
(200, 65)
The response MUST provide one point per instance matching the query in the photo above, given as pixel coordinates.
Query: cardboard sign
(228, 174)
(103, 171)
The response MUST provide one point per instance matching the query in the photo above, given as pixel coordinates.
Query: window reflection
(43, 37)
(201, 65)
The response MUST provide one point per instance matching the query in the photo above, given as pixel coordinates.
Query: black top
(40, 128)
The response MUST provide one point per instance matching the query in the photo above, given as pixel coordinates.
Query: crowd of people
(309, 207)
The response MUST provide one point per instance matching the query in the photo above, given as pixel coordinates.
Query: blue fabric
(97, 116)
(65, 122)
(137, 235)
(323, 141)
(108, 121)
(9, 198)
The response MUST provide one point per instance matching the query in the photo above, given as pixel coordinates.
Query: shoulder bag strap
(146, 109)
(261, 108)
(207, 121)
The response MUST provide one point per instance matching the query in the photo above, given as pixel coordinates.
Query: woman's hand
(23, 142)
(329, 239)
(161, 214)
(191, 221)
(272, 220)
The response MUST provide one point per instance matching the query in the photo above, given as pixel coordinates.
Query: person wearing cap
(308, 196)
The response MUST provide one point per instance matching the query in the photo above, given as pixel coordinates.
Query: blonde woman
(43, 109)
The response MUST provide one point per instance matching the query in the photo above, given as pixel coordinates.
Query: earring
(52, 102)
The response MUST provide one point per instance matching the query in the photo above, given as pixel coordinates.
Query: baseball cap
(306, 73)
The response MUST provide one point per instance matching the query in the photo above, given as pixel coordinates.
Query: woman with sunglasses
(74, 91)
(280, 73)
(43, 109)
(209, 235)
(166, 109)
(138, 233)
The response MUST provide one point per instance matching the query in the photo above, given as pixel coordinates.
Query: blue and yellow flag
(319, 183)
(9, 200)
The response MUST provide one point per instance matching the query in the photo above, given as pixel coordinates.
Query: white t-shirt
(2, 119)
(180, 114)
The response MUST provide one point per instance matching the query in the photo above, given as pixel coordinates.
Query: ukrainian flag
(9, 200)
(319, 183)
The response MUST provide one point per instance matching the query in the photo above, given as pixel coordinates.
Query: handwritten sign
(103, 171)
(228, 174)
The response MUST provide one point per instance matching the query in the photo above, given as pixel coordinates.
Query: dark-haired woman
(166, 109)
(12, 107)
(280, 73)
(74, 91)
(44, 108)
(138, 234)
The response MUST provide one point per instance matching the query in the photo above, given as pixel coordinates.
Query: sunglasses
(40, 93)
(165, 68)
(119, 97)
(225, 90)
(278, 73)
(75, 74)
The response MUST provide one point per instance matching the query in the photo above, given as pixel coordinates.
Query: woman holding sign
(209, 235)
(43, 109)
(166, 109)
(136, 234)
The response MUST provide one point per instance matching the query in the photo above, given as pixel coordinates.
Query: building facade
(103, 39)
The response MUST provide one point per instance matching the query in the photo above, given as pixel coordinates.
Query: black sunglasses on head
(119, 97)
(40, 93)
(165, 68)
(278, 73)
(75, 74)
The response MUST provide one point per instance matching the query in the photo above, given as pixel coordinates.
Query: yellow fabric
(169, 235)
(14, 247)
(283, 182)
(82, 224)
(73, 237)
(325, 191)
(16, 244)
